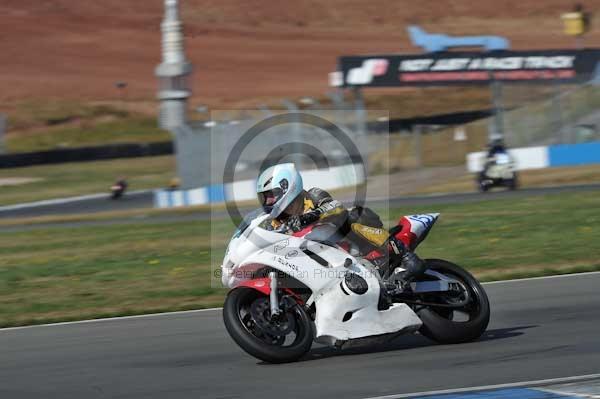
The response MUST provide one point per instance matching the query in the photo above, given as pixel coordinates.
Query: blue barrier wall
(574, 154)
(333, 178)
(216, 193)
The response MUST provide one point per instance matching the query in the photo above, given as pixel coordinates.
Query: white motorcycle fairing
(502, 166)
(341, 314)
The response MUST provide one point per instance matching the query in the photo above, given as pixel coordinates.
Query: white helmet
(277, 187)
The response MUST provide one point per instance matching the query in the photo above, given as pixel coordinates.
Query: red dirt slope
(242, 50)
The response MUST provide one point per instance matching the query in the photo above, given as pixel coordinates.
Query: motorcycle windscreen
(247, 220)
(503, 159)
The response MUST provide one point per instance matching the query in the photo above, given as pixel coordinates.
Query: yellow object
(174, 183)
(308, 205)
(374, 235)
(574, 23)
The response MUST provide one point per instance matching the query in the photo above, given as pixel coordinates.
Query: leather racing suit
(318, 205)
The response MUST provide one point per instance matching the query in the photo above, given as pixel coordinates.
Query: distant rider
(496, 147)
(281, 192)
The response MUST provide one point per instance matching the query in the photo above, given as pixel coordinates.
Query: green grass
(73, 273)
(69, 273)
(573, 175)
(45, 125)
(122, 130)
(536, 235)
(70, 179)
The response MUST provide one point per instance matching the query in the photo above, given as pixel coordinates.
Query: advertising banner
(460, 68)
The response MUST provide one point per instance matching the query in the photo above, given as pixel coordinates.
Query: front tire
(481, 184)
(250, 334)
(439, 324)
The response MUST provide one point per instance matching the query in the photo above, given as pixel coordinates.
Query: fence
(310, 138)
(546, 116)
(569, 116)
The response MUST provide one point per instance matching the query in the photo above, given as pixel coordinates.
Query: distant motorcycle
(288, 290)
(499, 170)
(118, 189)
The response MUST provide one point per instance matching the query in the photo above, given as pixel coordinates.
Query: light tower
(173, 72)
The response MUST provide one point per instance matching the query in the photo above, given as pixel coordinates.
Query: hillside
(241, 49)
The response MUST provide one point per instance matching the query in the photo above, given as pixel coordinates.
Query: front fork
(275, 310)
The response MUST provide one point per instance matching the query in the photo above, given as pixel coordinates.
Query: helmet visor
(269, 198)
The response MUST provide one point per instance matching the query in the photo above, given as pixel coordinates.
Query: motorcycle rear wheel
(251, 334)
(513, 183)
(439, 323)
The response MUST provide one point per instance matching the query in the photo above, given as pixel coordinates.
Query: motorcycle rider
(496, 147)
(280, 191)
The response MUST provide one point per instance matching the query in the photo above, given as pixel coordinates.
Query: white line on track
(60, 201)
(55, 201)
(182, 312)
(139, 316)
(532, 384)
(540, 278)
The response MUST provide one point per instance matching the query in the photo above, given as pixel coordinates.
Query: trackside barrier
(574, 154)
(544, 157)
(86, 154)
(328, 179)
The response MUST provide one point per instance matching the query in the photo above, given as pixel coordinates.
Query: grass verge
(586, 174)
(62, 273)
(71, 179)
(45, 125)
(134, 129)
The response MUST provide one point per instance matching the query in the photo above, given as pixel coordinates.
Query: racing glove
(298, 222)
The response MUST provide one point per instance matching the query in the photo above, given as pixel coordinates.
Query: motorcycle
(290, 290)
(500, 170)
(118, 189)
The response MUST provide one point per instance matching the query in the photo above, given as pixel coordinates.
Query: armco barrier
(525, 158)
(84, 154)
(245, 190)
(176, 198)
(544, 157)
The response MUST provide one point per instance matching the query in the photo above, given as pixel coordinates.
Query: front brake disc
(281, 325)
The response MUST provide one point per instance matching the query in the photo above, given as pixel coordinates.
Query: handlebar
(283, 228)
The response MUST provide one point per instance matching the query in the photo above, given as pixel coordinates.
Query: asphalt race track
(540, 328)
(130, 201)
(143, 200)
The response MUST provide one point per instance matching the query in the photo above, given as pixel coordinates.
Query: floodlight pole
(359, 108)
(496, 130)
(293, 110)
(557, 116)
(337, 100)
(174, 70)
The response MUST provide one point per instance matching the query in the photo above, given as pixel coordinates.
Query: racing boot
(400, 256)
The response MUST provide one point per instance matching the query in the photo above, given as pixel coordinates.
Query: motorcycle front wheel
(248, 321)
(461, 324)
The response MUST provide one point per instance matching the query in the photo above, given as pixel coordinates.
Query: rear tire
(263, 346)
(437, 322)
